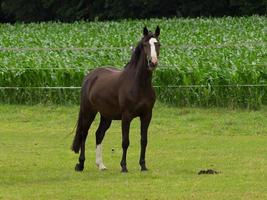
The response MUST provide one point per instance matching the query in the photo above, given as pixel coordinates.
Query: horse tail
(84, 111)
(77, 141)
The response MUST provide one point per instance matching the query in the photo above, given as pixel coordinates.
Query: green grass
(36, 161)
(240, 60)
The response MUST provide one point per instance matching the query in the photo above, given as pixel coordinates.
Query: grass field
(36, 161)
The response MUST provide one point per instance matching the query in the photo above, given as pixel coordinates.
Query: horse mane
(137, 51)
(135, 55)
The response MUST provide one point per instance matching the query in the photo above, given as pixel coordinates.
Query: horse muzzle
(152, 64)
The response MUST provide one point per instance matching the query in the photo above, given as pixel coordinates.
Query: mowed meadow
(36, 161)
(203, 62)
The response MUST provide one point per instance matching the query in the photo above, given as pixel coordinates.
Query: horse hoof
(101, 167)
(124, 170)
(144, 169)
(78, 168)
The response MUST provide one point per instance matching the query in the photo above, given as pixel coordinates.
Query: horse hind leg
(84, 122)
(100, 134)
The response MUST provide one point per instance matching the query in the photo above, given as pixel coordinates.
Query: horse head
(151, 46)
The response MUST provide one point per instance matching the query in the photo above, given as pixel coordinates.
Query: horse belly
(109, 111)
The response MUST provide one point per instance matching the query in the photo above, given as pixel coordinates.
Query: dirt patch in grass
(208, 171)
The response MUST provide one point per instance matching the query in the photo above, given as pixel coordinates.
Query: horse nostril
(154, 61)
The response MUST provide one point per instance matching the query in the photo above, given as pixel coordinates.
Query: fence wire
(179, 46)
(161, 67)
(156, 86)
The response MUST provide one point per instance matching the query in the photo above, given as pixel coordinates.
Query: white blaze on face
(152, 42)
(98, 160)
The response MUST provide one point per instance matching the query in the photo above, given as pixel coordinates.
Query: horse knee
(125, 144)
(144, 142)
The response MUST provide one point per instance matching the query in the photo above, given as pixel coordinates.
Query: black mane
(137, 50)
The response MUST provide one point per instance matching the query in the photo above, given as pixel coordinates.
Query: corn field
(203, 62)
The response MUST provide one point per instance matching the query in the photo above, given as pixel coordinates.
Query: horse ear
(157, 32)
(145, 31)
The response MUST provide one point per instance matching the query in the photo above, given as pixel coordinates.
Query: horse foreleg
(145, 121)
(125, 140)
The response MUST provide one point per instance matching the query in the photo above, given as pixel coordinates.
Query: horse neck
(138, 71)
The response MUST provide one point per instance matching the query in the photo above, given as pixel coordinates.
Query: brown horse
(119, 95)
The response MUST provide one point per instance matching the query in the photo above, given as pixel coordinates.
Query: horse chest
(139, 102)
(143, 106)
